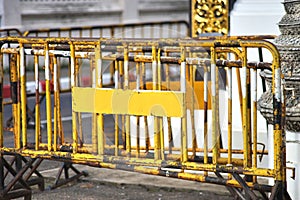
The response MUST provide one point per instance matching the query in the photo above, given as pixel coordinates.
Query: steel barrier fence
(149, 121)
(161, 29)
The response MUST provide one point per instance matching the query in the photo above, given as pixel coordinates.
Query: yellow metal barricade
(158, 117)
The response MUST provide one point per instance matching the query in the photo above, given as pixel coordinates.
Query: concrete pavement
(121, 177)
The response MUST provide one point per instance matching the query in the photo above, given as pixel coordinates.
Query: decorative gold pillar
(209, 16)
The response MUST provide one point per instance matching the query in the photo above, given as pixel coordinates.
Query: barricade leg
(66, 166)
(16, 182)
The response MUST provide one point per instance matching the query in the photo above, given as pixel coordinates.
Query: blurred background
(246, 16)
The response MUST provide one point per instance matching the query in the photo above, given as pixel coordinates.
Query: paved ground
(116, 184)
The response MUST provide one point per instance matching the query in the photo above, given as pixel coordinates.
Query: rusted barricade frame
(157, 158)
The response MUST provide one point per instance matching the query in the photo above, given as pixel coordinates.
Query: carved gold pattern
(209, 16)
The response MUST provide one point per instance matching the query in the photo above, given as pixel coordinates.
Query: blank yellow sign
(130, 102)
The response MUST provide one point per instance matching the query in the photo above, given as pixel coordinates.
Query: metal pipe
(229, 103)
(99, 84)
(38, 138)
(170, 134)
(59, 118)
(184, 152)
(215, 125)
(14, 83)
(116, 116)
(192, 110)
(55, 108)
(81, 138)
(157, 143)
(144, 82)
(138, 117)
(160, 119)
(205, 124)
(254, 117)
(23, 95)
(126, 87)
(245, 92)
(73, 82)
(94, 121)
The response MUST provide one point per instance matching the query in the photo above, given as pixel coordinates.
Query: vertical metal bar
(90, 32)
(101, 32)
(249, 135)
(218, 128)
(121, 84)
(170, 134)
(81, 139)
(194, 138)
(99, 81)
(138, 78)
(245, 77)
(112, 72)
(214, 106)
(112, 32)
(23, 95)
(160, 119)
(14, 64)
(38, 137)
(279, 146)
(80, 33)
(184, 149)
(157, 143)
(123, 31)
(55, 110)
(116, 116)
(254, 116)
(133, 32)
(143, 32)
(18, 106)
(126, 87)
(74, 115)
(94, 121)
(60, 124)
(48, 97)
(147, 140)
(229, 102)
(238, 77)
(283, 133)
(205, 128)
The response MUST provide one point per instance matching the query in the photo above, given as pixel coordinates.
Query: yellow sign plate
(128, 102)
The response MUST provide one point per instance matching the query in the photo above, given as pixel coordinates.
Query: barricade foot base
(65, 168)
(16, 176)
